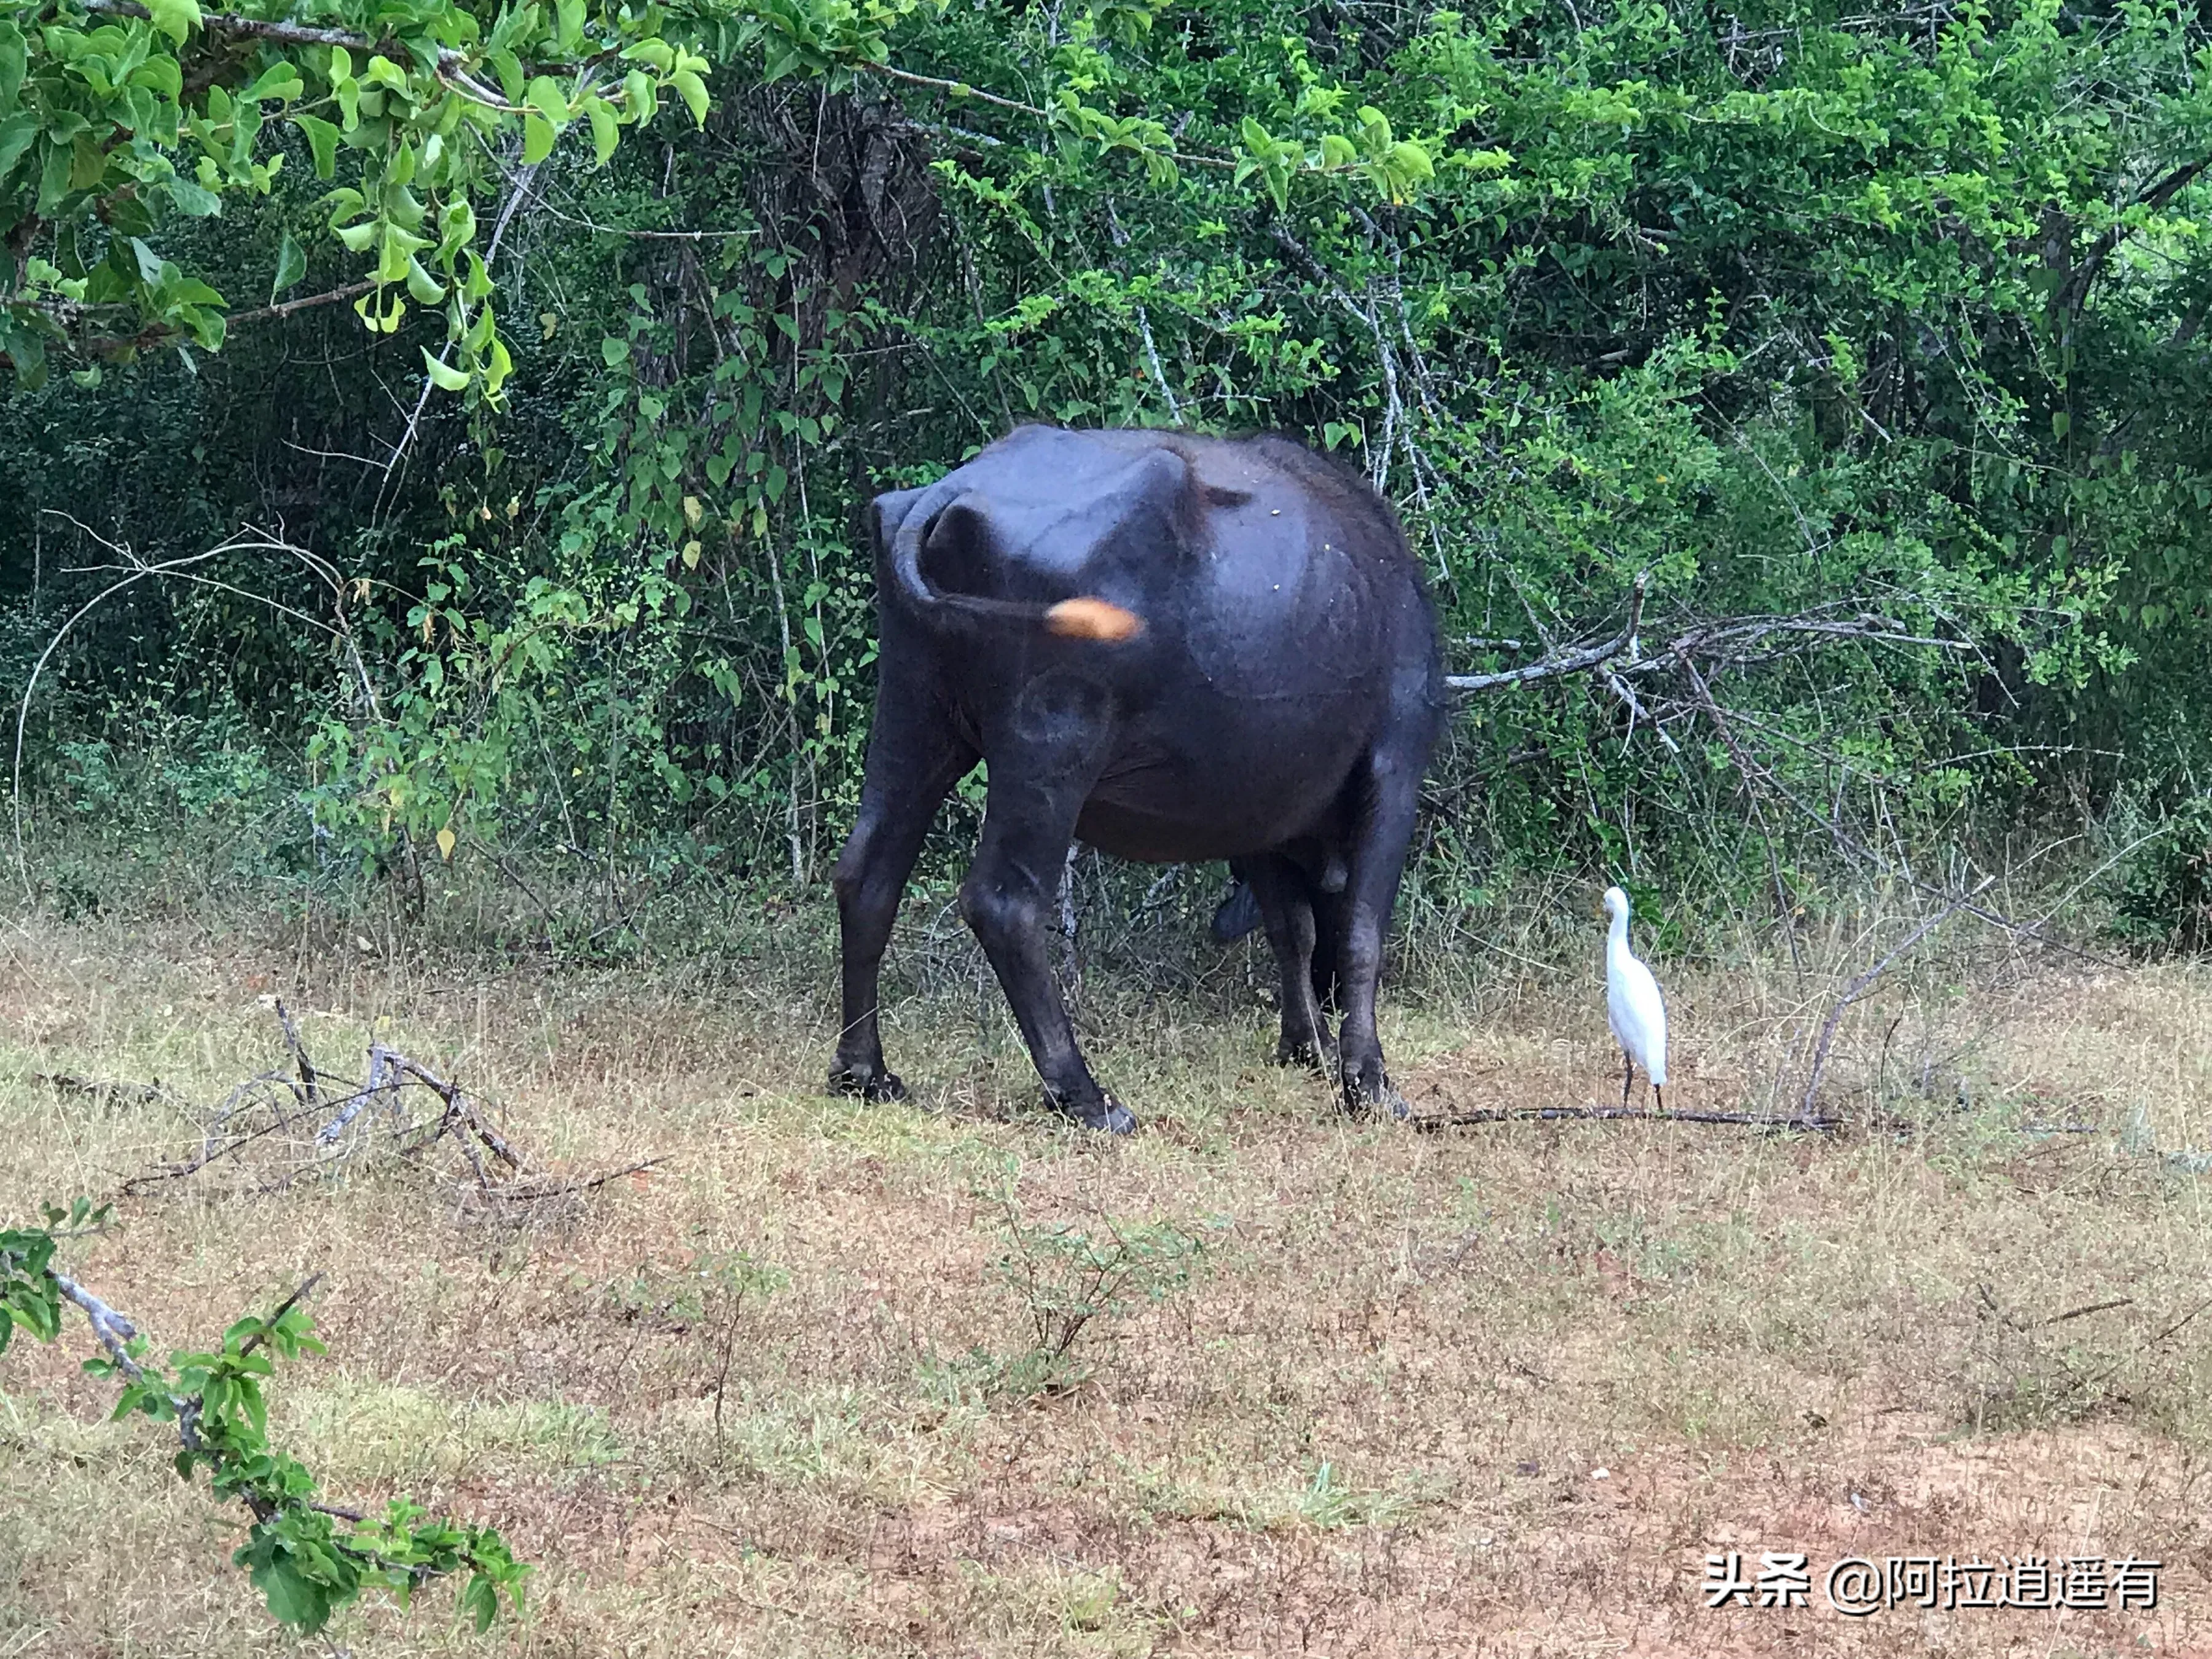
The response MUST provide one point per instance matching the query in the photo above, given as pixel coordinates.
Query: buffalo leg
(1328, 932)
(1287, 911)
(1028, 826)
(1384, 831)
(914, 759)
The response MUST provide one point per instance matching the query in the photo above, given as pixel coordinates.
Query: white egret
(1632, 1005)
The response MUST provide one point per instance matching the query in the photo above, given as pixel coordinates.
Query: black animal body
(1274, 703)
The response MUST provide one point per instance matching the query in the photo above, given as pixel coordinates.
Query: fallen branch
(2105, 1373)
(322, 1122)
(65, 1083)
(310, 1086)
(1427, 1123)
(2092, 1308)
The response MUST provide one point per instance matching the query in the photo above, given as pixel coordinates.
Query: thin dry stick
(1752, 775)
(2092, 1378)
(1859, 987)
(23, 708)
(282, 1308)
(2092, 1308)
(136, 570)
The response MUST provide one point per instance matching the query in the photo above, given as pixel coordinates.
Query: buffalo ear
(889, 511)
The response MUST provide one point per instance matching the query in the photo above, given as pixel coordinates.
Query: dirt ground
(1494, 1389)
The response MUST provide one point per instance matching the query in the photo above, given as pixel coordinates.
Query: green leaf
(293, 1599)
(16, 132)
(149, 262)
(54, 175)
(192, 200)
(639, 97)
(12, 63)
(174, 18)
(693, 91)
(546, 98)
(538, 135)
(160, 76)
(569, 28)
(445, 377)
(322, 143)
(498, 369)
(605, 132)
(425, 288)
(509, 68)
(1411, 161)
(480, 1601)
(1277, 178)
(291, 266)
(278, 81)
(613, 352)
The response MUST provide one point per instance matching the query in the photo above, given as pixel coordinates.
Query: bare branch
(1573, 661)
(277, 313)
(1859, 987)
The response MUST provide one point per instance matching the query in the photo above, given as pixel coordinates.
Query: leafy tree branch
(309, 1559)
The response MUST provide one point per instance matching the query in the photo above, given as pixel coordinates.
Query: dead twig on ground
(308, 1122)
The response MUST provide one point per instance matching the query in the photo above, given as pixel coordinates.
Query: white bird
(1632, 1005)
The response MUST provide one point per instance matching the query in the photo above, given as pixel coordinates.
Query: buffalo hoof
(1109, 1116)
(1375, 1099)
(1312, 1055)
(871, 1084)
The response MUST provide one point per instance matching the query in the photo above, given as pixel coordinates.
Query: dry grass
(1371, 1424)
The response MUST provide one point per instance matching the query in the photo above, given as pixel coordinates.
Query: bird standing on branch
(1632, 1005)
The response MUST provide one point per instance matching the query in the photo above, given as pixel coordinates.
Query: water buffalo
(1272, 700)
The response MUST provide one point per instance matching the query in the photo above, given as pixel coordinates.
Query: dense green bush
(1818, 312)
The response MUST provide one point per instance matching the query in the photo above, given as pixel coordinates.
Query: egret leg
(1627, 1077)
(1659, 1094)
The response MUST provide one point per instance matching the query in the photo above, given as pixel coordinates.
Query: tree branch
(2073, 293)
(290, 34)
(277, 313)
(1574, 660)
